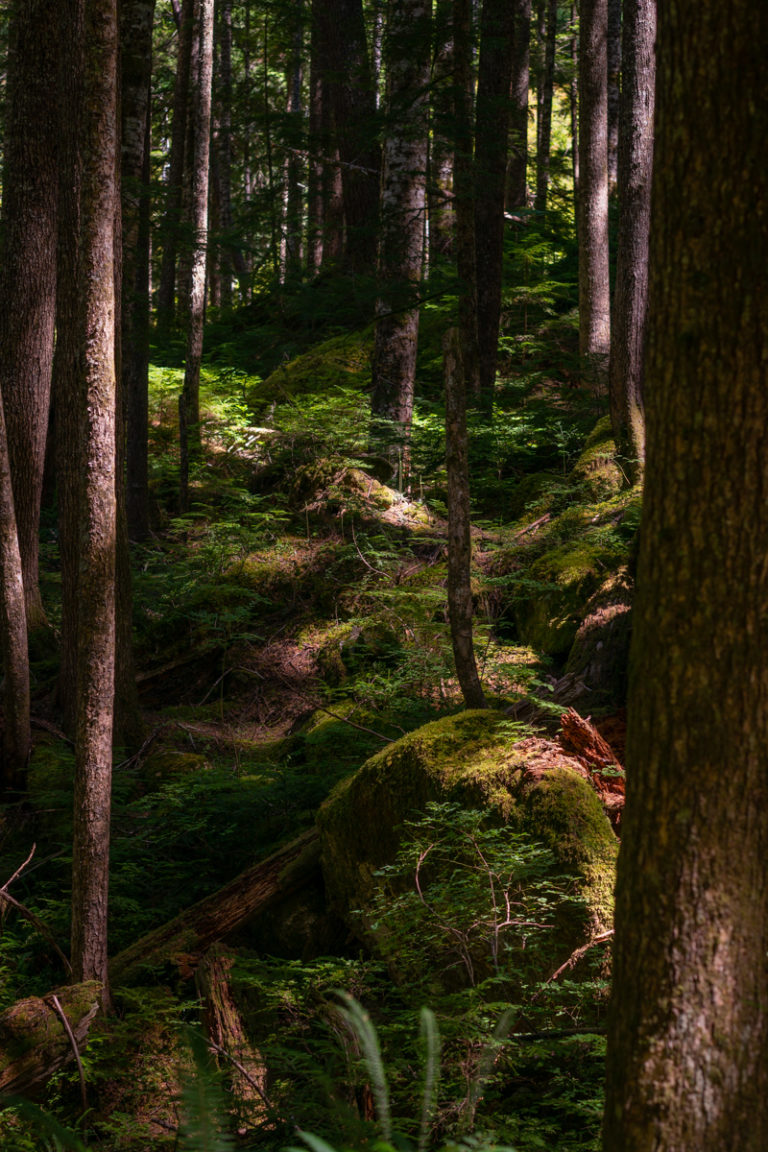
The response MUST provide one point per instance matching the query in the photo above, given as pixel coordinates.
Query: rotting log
(244, 1068)
(184, 939)
(582, 739)
(33, 1039)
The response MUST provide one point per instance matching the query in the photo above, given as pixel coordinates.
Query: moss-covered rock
(339, 362)
(474, 759)
(596, 473)
(559, 585)
(168, 764)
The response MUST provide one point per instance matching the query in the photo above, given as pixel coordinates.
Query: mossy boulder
(596, 473)
(475, 759)
(168, 764)
(342, 361)
(558, 587)
(599, 656)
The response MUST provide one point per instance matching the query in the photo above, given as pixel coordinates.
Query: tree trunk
(352, 92)
(166, 293)
(403, 196)
(294, 174)
(442, 224)
(99, 132)
(193, 931)
(594, 284)
(464, 202)
(459, 528)
(688, 1038)
(317, 145)
(28, 283)
(491, 145)
(573, 95)
(197, 152)
(136, 20)
(517, 168)
(13, 631)
(614, 92)
(544, 127)
(631, 295)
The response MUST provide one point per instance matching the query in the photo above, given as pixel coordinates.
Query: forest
(383, 537)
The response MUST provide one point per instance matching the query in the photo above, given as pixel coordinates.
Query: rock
(596, 473)
(477, 760)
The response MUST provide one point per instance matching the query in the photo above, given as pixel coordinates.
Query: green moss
(163, 766)
(472, 758)
(339, 362)
(562, 582)
(596, 473)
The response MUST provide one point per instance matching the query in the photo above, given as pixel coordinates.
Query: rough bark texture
(688, 1041)
(614, 92)
(573, 95)
(459, 528)
(13, 633)
(353, 97)
(631, 294)
(464, 205)
(99, 133)
(295, 177)
(594, 283)
(28, 282)
(403, 197)
(317, 144)
(442, 224)
(192, 932)
(491, 144)
(136, 17)
(197, 152)
(544, 126)
(33, 1040)
(517, 168)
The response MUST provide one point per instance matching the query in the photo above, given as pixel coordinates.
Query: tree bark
(294, 175)
(197, 152)
(317, 143)
(17, 739)
(544, 126)
(460, 604)
(28, 283)
(136, 20)
(573, 100)
(99, 135)
(517, 168)
(614, 92)
(403, 202)
(440, 215)
(491, 145)
(630, 302)
(688, 1038)
(166, 293)
(464, 201)
(594, 280)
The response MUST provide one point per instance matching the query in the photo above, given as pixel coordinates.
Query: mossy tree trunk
(688, 1040)
(630, 303)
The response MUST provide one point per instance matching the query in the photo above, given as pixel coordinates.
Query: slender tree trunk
(136, 20)
(99, 133)
(273, 222)
(544, 130)
(491, 144)
(294, 197)
(166, 293)
(198, 160)
(688, 1036)
(28, 282)
(403, 202)
(631, 295)
(614, 92)
(459, 527)
(517, 168)
(594, 283)
(231, 255)
(442, 223)
(464, 203)
(317, 145)
(352, 92)
(573, 94)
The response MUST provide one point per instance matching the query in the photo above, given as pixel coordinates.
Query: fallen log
(184, 939)
(582, 739)
(34, 1041)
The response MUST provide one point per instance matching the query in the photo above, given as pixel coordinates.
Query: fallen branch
(574, 957)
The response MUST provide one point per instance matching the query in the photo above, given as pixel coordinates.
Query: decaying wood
(581, 739)
(226, 1035)
(185, 938)
(34, 1042)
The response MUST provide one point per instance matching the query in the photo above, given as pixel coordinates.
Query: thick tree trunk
(631, 295)
(491, 145)
(459, 528)
(544, 116)
(166, 293)
(594, 281)
(197, 152)
(464, 202)
(193, 931)
(136, 19)
(99, 134)
(317, 144)
(13, 634)
(403, 202)
(614, 92)
(28, 283)
(352, 93)
(688, 1040)
(440, 215)
(517, 168)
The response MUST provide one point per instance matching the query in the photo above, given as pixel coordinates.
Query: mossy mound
(476, 759)
(166, 765)
(342, 361)
(561, 583)
(599, 656)
(332, 488)
(596, 473)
